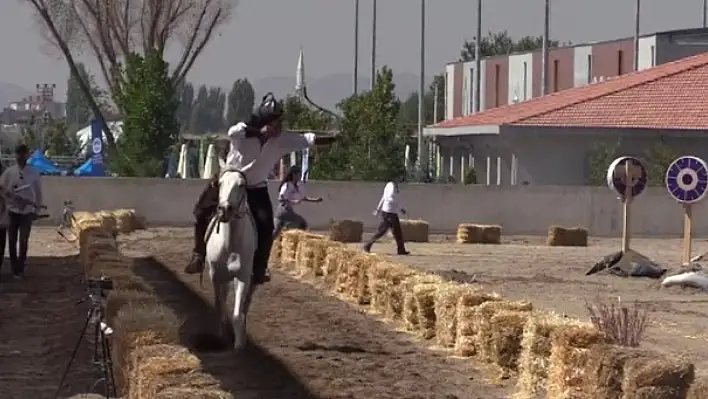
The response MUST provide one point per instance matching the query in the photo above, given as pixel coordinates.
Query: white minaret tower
(300, 76)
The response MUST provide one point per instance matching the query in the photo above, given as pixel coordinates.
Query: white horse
(231, 244)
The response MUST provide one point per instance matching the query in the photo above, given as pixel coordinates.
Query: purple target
(687, 179)
(617, 179)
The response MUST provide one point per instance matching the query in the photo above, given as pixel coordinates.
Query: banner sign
(96, 143)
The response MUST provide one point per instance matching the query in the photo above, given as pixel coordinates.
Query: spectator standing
(24, 184)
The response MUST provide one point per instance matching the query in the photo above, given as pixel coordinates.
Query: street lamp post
(421, 88)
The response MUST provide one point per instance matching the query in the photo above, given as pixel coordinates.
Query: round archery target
(687, 179)
(618, 181)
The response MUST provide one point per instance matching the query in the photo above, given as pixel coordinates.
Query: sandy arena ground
(307, 345)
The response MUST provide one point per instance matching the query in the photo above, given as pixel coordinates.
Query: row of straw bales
(549, 354)
(149, 362)
(349, 231)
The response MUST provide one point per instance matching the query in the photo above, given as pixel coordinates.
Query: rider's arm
(242, 130)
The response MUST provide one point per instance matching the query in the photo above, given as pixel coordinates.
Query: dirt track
(39, 323)
(304, 344)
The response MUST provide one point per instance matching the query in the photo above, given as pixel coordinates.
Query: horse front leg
(243, 292)
(219, 289)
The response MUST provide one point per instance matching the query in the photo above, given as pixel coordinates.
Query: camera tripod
(101, 346)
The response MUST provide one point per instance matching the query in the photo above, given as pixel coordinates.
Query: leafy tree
(53, 136)
(199, 119)
(501, 43)
(299, 116)
(114, 30)
(78, 108)
(371, 145)
(186, 103)
(409, 107)
(216, 103)
(149, 104)
(657, 159)
(240, 102)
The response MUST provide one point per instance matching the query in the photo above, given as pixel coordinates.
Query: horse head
(232, 195)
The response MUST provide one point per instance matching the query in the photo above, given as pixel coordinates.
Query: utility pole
(356, 47)
(544, 49)
(373, 45)
(705, 13)
(478, 60)
(45, 95)
(421, 88)
(636, 33)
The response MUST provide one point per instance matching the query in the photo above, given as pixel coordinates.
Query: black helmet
(270, 109)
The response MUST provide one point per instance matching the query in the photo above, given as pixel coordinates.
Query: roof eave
(463, 130)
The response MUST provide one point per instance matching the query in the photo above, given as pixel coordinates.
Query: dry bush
(622, 324)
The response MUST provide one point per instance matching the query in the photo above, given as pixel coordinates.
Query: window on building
(589, 68)
(555, 74)
(620, 60)
(497, 77)
(652, 50)
(526, 79)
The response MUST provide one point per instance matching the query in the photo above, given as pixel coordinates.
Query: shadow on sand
(254, 373)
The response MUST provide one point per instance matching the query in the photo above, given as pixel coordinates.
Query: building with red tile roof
(548, 140)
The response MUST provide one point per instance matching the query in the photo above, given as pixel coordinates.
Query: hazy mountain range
(326, 91)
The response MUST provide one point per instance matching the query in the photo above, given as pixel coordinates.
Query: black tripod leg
(111, 390)
(89, 316)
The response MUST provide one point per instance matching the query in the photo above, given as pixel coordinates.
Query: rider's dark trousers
(261, 209)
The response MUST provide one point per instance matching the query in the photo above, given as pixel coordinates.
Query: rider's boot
(196, 264)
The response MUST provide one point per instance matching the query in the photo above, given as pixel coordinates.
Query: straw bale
(352, 277)
(414, 230)
(507, 333)
(657, 371)
(148, 363)
(660, 392)
(288, 255)
(87, 396)
(468, 233)
(141, 325)
(567, 237)
(404, 303)
(127, 220)
(275, 251)
(536, 352)
(394, 290)
(446, 300)
(419, 308)
(346, 230)
(194, 381)
(310, 255)
(699, 389)
(465, 321)
(335, 254)
(192, 393)
(567, 370)
(484, 327)
(378, 276)
(118, 298)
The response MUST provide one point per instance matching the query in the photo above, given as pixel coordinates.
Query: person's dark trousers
(18, 229)
(204, 209)
(262, 211)
(392, 222)
(3, 242)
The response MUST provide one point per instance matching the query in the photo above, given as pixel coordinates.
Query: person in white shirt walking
(24, 183)
(289, 195)
(256, 147)
(388, 208)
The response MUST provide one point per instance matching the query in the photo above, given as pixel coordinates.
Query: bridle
(228, 213)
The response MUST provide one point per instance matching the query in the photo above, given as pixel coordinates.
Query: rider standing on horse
(256, 147)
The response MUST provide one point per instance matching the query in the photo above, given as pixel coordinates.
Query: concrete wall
(520, 210)
(520, 77)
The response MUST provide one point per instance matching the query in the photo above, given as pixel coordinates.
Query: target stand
(626, 176)
(687, 183)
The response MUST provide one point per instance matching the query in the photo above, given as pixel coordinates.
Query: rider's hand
(403, 211)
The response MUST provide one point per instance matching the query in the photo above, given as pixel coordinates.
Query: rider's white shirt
(256, 161)
(25, 183)
(291, 194)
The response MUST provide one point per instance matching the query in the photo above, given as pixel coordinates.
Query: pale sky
(264, 36)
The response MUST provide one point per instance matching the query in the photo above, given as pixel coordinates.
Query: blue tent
(38, 161)
(86, 169)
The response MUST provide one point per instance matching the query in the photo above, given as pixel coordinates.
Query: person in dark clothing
(388, 208)
(23, 185)
(255, 147)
